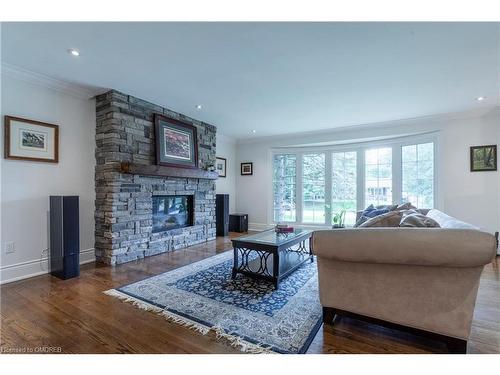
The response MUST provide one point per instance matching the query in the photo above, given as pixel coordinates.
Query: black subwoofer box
(64, 249)
(238, 223)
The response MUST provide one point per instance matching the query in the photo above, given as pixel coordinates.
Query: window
(344, 185)
(418, 174)
(284, 187)
(378, 176)
(313, 187)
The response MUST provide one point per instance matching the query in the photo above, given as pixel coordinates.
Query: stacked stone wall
(123, 205)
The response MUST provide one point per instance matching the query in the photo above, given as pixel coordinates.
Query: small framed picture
(30, 140)
(220, 166)
(246, 169)
(483, 158)
(176, 143)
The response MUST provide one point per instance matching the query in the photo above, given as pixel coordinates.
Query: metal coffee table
(271, 256)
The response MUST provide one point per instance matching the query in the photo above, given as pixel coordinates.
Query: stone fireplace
(138, 214)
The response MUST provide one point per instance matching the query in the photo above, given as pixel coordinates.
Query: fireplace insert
(172, 212)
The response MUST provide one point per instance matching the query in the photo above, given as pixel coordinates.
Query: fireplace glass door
(172, 212)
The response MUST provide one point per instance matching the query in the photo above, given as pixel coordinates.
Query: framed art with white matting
(30, 140)
(247, 169)
(221, 166)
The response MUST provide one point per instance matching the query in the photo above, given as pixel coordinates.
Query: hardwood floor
(74, 316)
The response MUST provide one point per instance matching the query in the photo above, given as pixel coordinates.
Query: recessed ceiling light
(254, 131)
(480, 98)
(199, 107)
(74, 52)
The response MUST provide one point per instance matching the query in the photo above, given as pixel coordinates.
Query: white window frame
(296, 186)
(328, 197)
(437, 197)
(395, 143)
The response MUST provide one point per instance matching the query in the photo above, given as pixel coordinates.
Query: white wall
(226, 148)
(26, 185)
(472, 197)
(1, 142)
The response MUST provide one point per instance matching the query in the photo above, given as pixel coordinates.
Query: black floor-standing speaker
(64, 237)
(222, 214)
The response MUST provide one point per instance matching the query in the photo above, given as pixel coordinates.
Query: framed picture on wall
(220, 166)
(176, 143)
(30, 140)
(483, 158)
(246, 169)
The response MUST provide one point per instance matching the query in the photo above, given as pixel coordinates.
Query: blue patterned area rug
(248, 313)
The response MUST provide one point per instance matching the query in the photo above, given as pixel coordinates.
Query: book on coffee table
(283, 228)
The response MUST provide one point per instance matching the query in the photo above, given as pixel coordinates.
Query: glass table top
(270, 237)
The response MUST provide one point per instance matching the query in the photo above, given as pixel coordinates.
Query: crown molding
(486, 111)
(65, 87)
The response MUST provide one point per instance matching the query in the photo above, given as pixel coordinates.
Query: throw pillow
(405, 213)
(405, 206)
(368, 209)
(390, 207)
(389, 219)
(376, 212)
(417, 220)
(363, 217)
(368, 213)
(361, 220)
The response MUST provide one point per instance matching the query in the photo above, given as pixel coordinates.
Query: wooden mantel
(161, 171)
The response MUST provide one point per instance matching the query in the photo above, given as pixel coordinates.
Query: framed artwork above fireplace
(176, 143)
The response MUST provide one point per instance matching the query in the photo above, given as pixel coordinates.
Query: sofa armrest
(411, 246)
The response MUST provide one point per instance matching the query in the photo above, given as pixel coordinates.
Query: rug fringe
(168, 315)
(134, 301)
(237, 341)
(234, 340)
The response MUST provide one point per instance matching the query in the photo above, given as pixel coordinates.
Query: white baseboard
(31, 268)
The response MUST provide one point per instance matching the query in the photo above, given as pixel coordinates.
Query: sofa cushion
(413, 219)
(389, 219)
(446, 221)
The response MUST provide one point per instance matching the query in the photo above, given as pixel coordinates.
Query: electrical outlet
(9, 248)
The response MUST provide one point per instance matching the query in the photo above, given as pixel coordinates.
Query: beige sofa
(422, 280)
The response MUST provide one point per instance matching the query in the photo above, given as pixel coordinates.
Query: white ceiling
(275, 78)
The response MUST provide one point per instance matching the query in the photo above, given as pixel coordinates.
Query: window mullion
(435, 202)
(397, 173)
(298, 188)
(361, 186)
(328, 188)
